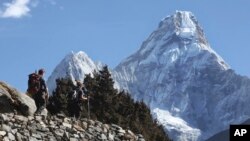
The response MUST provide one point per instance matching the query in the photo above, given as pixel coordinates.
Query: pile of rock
(60, 128)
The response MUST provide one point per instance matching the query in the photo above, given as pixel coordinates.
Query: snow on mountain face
(74, 66)
(188, 86)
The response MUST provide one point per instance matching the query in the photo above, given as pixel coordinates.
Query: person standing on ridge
(76, 100)
(42, 95)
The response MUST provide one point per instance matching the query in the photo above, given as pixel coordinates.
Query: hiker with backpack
(38, 90)
(76, 99)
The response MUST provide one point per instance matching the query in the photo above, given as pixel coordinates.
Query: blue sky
(39, 33)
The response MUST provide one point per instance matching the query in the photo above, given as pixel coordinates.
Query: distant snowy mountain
(190, 89)
(74, 66)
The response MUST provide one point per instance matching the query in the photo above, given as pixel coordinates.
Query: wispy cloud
(15, 9)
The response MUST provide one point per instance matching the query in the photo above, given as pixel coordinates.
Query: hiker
(38, 90)
(76, 99)
(42, 95)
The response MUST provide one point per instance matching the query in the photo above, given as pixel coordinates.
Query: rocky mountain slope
(188, 86)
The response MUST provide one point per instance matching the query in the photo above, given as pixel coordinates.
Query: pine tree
(106, 83)
(58, 102)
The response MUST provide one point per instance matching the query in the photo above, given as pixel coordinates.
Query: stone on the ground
(12, 101)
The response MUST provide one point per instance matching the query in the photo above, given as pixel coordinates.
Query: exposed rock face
(13, 101)
(58, 128)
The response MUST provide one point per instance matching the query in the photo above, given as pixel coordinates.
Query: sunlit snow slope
(73, 66)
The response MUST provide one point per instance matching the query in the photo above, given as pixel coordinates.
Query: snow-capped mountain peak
(178, 37)
(74, 66)
(175, 70)
(184, 23)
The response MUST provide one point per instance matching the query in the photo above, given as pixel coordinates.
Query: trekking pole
(88, 108)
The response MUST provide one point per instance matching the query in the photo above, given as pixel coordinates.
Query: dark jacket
(43, 86)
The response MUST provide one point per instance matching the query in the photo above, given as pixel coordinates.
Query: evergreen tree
(58, 102)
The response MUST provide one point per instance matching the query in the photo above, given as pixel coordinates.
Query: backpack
(33, 83)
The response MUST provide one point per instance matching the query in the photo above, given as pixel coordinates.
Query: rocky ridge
(52, 128)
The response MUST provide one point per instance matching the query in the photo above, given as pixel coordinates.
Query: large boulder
(11, 100)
